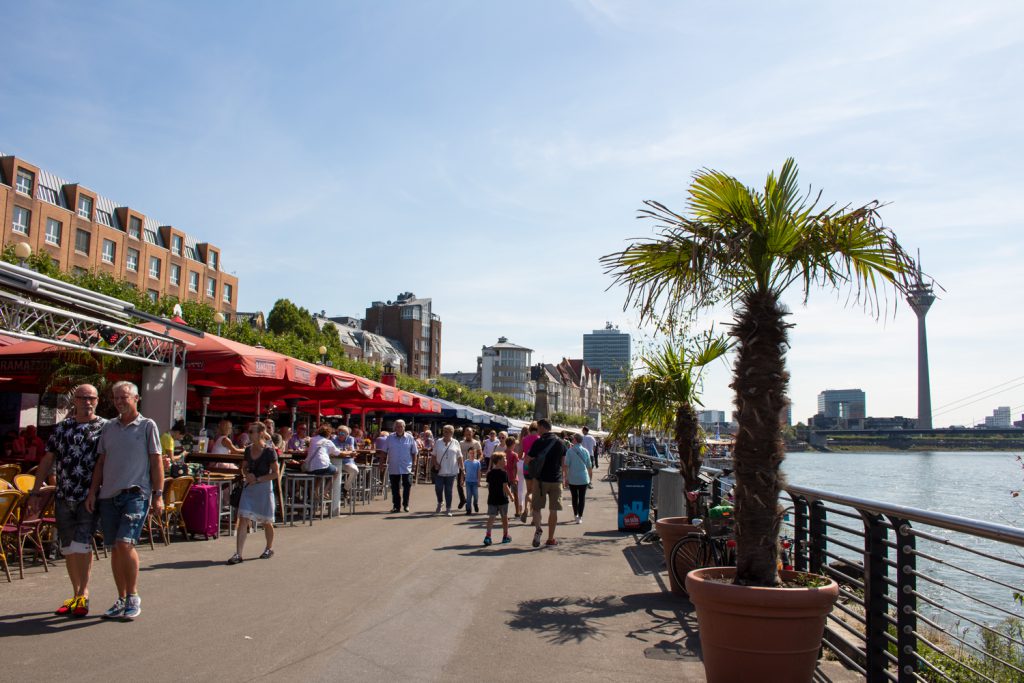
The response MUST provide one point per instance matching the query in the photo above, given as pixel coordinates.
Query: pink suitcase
(201, 510)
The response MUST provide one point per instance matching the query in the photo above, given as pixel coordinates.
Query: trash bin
(616, 463)
(635, 499)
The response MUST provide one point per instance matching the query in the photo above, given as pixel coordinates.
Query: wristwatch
(158, 494)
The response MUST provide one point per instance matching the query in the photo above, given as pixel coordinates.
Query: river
(977, 485)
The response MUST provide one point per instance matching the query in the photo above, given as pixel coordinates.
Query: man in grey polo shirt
(128, 473)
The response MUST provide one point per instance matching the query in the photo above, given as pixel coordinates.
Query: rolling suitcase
(201, 510)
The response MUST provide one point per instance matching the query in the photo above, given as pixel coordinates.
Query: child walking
(498, 493)
(472, 481)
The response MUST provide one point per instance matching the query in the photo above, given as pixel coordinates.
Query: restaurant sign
(302, 375)
(23, 366)
(266, 367)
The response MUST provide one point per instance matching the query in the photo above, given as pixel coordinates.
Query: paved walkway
(373, 597)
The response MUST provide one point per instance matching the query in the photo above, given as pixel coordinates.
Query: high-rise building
(504, 368)
(999, 419)
(411, 322)
(83, 231)
(842, 404)
(608, 350)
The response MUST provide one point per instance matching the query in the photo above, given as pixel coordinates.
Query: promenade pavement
(372, 597)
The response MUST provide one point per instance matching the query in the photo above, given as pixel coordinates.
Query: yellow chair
(6, 485)
(174, 496)
(9, 471)
(24, 482)
(158, 520)
(9, 500)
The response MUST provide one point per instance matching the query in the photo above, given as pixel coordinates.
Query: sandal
(266, 554)
(235, 559)
(551, 541)
(536, 537)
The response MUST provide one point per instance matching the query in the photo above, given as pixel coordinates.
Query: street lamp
(323, 354)
(218, 318)
(23, 250)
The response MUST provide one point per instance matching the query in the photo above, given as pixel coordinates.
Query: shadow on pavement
(562, 620)
(40, 624)
(184, 564)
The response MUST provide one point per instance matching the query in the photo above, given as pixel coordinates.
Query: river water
(977, 485)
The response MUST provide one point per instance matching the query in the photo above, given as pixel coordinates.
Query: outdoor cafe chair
(174, 497)
(8, 501)
(24, 482)
(6, 485)
(26, 528)
(9, 471)
(158, 520)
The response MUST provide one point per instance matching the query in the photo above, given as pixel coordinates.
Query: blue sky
(485, 154)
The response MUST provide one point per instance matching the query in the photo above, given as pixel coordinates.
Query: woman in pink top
(526, 441)
(511, 469)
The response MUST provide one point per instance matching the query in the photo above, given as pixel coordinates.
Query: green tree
(745, 247)
(664, 396)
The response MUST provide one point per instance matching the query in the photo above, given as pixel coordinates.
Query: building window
(53, 230)
(22, 217)
(109, 250)
(227, 293)
(132, 262)
(175, 274)
(193, 281)
(134, 227)
(153, 295)
(79, 271)
(154, 267)
(82, 240)
(212, 260)
(85, 206)
(25, 181)
(176, 245)
(104, 217)
(211, 287)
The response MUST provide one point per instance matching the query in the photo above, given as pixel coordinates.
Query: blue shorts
(122, 517)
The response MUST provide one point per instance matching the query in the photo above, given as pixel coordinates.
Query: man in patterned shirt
(71, 451)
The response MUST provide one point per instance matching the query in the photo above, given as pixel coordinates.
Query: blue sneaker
(506, 539)
(487, 540)
(116, 610)
(132, 608)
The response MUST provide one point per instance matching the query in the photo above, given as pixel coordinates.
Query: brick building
(84, 231)
(413, 324)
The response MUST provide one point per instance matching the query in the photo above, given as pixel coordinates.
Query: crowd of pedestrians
(110, 474)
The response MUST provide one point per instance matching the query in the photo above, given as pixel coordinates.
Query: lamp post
(218, 318)
(23, 250)
(323, 355)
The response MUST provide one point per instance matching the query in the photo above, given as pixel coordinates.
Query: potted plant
(663, 397)
(744, 248)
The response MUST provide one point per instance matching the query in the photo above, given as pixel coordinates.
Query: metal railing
(924, 596)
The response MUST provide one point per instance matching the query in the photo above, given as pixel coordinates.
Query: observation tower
(920, 296)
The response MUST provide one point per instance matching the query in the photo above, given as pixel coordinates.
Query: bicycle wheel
(690, 552)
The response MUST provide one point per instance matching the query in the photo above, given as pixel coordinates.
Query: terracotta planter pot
(758, 634)
(671, 529)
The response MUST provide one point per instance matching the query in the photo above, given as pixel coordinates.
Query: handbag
(236, 494)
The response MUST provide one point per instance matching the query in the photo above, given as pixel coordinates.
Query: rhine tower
(920, 296)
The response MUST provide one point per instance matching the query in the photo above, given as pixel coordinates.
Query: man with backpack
(544, 462)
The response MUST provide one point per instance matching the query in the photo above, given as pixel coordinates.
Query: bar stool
(299, 492)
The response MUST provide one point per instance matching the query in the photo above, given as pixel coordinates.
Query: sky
(487, 154)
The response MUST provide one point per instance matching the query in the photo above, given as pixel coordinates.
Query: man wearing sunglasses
(71, 452)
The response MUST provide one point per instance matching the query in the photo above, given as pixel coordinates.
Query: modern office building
(504, 368)
(846, 406)
(83, 231)
(999, 419)
(609, 351)
(411, 322)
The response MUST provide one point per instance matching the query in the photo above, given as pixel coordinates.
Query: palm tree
(71, 367)
(664, 398)
(744, 248)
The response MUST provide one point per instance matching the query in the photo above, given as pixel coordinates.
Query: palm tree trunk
(760, 383)
(689, 455)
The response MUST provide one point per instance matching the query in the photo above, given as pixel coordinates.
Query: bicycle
(714, 547)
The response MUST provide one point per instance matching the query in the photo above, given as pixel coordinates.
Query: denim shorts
(75, 526)
(122, 517)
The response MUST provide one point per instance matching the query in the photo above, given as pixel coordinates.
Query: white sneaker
(579, 520)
